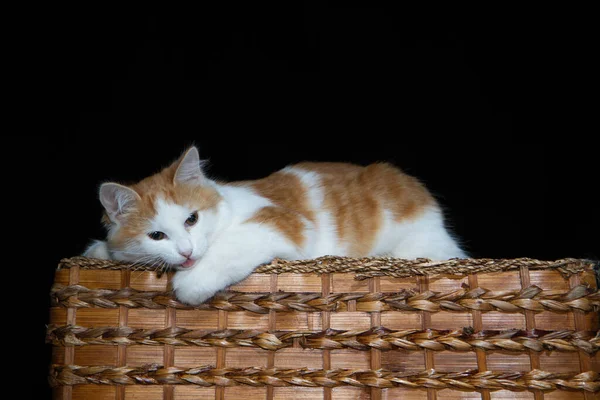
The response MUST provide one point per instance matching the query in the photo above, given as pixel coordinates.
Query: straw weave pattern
(209, 376)
(379, 338)
(532, 298)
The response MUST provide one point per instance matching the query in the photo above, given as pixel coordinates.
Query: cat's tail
(97, 249)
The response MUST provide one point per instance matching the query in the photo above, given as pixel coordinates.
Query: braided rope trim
(470, 380)
(375, 266)
(532, 298)
(375, 338)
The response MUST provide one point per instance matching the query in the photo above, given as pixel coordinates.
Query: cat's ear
(117, 199)
(189, 169)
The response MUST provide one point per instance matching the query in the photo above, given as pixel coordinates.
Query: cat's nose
(186, 253)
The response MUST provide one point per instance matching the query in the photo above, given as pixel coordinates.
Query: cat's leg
(426, 237)
(433, 245)
(230, 260)
(97, 249)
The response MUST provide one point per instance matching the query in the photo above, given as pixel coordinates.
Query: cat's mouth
(188, 263)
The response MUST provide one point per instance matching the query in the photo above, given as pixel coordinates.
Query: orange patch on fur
(288, 222)
(287, 191)
(289, 197)
(357, 197)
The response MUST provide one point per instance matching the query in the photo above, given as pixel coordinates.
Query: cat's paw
(189, 292)
(192, 298)
(97, 249)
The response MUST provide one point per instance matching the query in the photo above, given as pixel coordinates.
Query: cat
(214, 233)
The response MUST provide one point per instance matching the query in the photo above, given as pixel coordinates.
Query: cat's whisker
(160, 266)
(146, 261)
(141, 262)
(160, 269)
(155, 263)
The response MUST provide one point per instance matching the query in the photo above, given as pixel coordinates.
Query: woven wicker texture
(330, 328)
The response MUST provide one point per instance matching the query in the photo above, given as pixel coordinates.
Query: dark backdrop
(479, 106)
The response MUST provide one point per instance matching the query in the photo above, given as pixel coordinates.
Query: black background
(485, 106)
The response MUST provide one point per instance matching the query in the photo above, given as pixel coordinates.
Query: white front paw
(189, 292)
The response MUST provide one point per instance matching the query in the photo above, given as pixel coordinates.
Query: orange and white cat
(214, 234)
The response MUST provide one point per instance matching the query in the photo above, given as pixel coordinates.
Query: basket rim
(367, 267)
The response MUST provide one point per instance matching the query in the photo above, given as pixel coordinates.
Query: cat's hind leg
(426, 237)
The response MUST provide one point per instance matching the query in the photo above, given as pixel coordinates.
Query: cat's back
(352, 185)
(346, 203)
(308, 187)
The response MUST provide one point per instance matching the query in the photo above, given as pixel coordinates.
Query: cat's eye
(156, 235)
(192, 219)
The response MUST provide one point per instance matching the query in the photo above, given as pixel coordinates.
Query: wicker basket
(331, 328)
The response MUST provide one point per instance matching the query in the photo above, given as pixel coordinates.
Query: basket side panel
(349, 393)
(401, 320)
(450, 320)
(192, 392)
(445, 283)
(304, 393)
(148, 281)
(138, 355)
(508, 394)
(457, 394)
(96, 355)
(496, 320)
(557, 361)
(389, 284)
(100, 279)
(245, 393)
(549, 280)
(404, 393)
(298, 283)
(93, 392)
(404, 361)
(450, 361)
(93, 317)
(254, 283)
(197, 319)
(247, 320)
(351, 359)
(349, 315)
(195, 356)
(61, 277)
(563, 395)
(297, 321)
(348, 320)
(345, 283)
(135, 392)
(58, 316)
(246, 358)
(146, 318)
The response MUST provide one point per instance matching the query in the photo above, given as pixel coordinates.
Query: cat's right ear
(117, 199)
(189, 170)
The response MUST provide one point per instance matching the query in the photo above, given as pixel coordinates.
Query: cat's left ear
(189, 170)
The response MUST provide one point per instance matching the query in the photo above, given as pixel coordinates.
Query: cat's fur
(303, 211)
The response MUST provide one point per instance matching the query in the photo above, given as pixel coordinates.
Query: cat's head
(165, 219)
